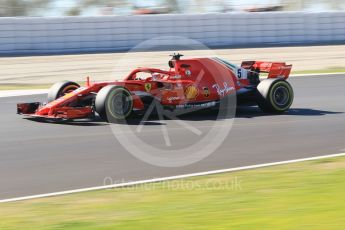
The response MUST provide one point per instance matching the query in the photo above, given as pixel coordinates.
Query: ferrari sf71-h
(187, 83)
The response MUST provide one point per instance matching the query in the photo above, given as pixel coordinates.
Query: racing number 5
(239, 73)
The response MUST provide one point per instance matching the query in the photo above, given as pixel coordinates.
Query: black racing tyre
(114, 104)
(59, 89)
(275, 95)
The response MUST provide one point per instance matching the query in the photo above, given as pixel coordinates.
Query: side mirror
(171, 64)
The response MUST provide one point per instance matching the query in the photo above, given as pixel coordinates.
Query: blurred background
(56, 8)
(235, 30)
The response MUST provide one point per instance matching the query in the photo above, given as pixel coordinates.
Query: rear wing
(274, 69)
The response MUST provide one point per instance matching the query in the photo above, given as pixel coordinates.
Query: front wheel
(60, 89)
(114, 104)
(275, 95)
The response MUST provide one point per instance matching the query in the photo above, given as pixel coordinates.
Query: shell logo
(191, 92)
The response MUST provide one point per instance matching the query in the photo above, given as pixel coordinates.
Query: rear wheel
(60, 89)
(275, 96)
(114, 103)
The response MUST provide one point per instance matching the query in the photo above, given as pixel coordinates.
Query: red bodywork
(188, 81)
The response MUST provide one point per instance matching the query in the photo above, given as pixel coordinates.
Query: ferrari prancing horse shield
(148, 87)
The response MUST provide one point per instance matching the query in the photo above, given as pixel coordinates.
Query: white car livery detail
(240, 73)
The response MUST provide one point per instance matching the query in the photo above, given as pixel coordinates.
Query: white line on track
(15, 93)
(169, 178)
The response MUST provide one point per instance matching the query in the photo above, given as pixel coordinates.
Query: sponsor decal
(222, 91)
(176, 77)
(148, 87)
(193, 106)
(206, 91)
(285, 67)
(191, 92)
(188, 72)
(170, 99)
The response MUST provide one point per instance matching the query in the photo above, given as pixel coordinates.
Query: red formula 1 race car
(189, 83)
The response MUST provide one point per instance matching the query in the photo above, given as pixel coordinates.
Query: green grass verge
(308, 195)
(46, 86)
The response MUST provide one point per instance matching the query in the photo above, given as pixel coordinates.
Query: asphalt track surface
(38, 157)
